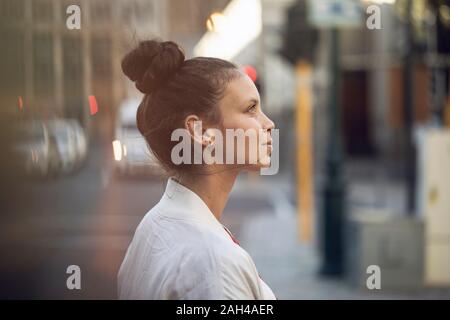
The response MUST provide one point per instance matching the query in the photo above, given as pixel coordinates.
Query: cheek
(244, 122)
(241, 121)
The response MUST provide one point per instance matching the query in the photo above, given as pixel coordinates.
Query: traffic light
(253, 74)
(299, 38)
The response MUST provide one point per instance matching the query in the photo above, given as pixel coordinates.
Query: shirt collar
(182, 203)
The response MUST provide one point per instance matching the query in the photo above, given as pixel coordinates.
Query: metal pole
(303, 123)
(334, 189)
(408, 108)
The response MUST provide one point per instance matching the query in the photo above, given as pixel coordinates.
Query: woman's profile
(180, 249)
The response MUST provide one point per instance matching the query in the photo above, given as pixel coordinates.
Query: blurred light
(239, 24)
(251, 72)
(379, 1)
(216, 22)
(93, 106)
(20, 103)
(124, 150)
(335, 13)
(444, 15)
(117, 148)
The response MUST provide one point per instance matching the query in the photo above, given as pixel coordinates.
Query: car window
(31, 133)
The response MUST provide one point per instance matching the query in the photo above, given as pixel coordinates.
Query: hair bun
(152, 63)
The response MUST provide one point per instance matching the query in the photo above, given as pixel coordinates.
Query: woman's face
(241, 109)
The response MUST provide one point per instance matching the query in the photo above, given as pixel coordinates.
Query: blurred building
(279, 84)
(186, 21)
(372, 65)
(54, 69)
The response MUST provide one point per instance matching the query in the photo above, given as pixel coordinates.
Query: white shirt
(181, 251)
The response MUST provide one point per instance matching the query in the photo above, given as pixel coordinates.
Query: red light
(251, 72)
(93, 105)
(20, 103)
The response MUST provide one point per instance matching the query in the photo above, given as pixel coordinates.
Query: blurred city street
(88, 219)
(358, 89)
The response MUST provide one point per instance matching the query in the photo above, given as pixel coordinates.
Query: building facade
(53, 69)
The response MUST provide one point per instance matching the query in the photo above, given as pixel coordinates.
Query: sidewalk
(269, 234)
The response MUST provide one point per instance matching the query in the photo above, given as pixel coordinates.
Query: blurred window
(12, 10)
(144, 11)
(137, 12)
(42, 11)
(73, 76)
(60, 131)
(43, 76)
(100, 11)
(126, 12)
(102, 72)
(30, 133)
(101, 57)
(12, 75)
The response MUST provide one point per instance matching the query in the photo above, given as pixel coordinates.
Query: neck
(213, 189)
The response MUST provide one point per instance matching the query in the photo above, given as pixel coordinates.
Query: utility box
(390, 241)
(434, 203)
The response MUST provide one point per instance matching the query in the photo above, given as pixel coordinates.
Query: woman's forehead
(240, 91)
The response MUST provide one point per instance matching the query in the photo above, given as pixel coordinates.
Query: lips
(269, 140)
(269, 145)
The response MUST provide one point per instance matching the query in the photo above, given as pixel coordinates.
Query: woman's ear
(195, 128)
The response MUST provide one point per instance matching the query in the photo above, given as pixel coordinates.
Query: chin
(262, 163)
(265, 163)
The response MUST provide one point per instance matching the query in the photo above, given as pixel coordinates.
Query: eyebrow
(252, 100)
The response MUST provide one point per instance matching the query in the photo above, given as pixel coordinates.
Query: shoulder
(215, 270)
(198, 263)
(238, 273)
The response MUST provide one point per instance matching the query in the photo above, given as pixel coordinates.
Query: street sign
(335, 13)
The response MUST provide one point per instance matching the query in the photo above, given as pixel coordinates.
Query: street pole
(334, 189)
(408, 109)
(305, 161)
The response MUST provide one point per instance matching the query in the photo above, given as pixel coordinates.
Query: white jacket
(181, 251)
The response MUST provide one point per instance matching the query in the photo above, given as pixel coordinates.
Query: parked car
(132, 155)
(81, 142)
(66, 142)
(35, 149)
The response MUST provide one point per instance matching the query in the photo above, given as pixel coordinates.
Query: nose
(268, 124)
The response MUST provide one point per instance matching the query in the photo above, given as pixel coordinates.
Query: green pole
(408, 109)
(334, 189)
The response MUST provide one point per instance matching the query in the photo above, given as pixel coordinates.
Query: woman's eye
(252, 108)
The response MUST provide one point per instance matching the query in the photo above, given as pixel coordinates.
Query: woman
(180, 249)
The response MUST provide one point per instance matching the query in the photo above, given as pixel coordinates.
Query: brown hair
(174, 88)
